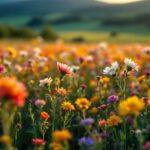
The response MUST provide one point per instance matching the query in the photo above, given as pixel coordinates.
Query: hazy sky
(118, 1)
(107, 1)
(9, 1)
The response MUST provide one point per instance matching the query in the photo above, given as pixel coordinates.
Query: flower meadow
(58, 96)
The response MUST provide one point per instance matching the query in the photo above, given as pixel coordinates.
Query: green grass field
(105, 36)
(90, 31)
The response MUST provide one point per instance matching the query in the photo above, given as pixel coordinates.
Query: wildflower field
(63, 96)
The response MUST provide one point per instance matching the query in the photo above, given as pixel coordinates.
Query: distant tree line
(40, 21)
(25, 32)
(143, 19)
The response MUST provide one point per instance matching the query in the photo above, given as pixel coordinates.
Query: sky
(107, 1)
(9, 1)
(118, 1)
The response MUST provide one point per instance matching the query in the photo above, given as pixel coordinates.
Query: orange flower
(102, 123)
(61, 136)
(5, 139)
(44, 115)
(61, 91)
(13, 90)
(114, 120)
(56, 146)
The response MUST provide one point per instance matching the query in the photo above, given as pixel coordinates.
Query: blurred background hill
(66, 16)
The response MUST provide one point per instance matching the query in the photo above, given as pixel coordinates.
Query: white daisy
(131, 64)
(45, 81)
(112, 69)
(75, 68)
(115, 65)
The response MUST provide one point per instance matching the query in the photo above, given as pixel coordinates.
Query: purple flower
(103, 135)
(112, 98)
(32, 101)
(145, 99)
(80, 59)
(87, 121)
(87, 141)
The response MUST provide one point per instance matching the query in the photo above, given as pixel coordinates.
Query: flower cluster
(62, 96)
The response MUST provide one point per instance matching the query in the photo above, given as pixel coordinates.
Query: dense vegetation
(57, 96)
(26, 33)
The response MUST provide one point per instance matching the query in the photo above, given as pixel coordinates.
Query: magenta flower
(112, 98)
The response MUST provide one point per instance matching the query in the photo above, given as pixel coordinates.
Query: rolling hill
(75, 15)
(43, 7)
(86, 7)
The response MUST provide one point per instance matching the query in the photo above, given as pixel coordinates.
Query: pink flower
(64, 69)
(40, 103)
(38, 142)
(2, 69)
(146, 146)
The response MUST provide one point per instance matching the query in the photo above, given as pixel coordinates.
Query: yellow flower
(61, 136)
(114, 120)
(67, 106)
(83, 103)
(141, 78)
(95, 99)
(56, 146)
(103, 92)
(133, 105)
(57, 81)
(12, 52)
(5, 139)
(105, 86)
(148, 94)
(104, 80)
(92, 83)
(93, 110)
(31, 81)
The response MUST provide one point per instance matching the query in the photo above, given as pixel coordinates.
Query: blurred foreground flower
(13, 90)
(132, 105)
(5, 139)
(146, 146)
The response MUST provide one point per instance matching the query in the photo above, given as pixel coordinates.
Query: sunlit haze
(118, 1)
